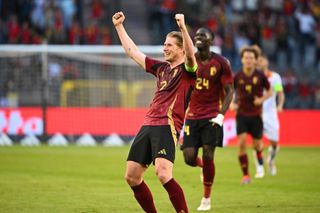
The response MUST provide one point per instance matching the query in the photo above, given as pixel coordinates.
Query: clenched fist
(118, 18)
(180, 20)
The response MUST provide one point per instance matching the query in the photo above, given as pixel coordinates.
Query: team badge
(255, 80)
(213, 71)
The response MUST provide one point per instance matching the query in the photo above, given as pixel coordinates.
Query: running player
(209, 101)
(249, 85)
(155, 142)
(271, 107)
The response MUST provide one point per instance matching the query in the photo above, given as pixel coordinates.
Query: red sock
(259, 157)
(144, 197)
(199, 162)
(176, 196)
(243, 159)
(208, 176)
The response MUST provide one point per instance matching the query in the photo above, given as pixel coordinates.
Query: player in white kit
(271, 107)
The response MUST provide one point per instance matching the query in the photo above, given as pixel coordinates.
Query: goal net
(73, 77)
(82, 76)
(73, 90)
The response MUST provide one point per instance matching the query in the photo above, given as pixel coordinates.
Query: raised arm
(190, 59)
(129, 46)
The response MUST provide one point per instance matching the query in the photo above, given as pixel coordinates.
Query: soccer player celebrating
(209, 101)
(271, 107)
(249, 86)
(155, 142)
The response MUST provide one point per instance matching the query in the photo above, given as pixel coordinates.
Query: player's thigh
(163, 142)
(191, 134)
(140, 150)
(241, 124)
(256, 127)
(211, 135)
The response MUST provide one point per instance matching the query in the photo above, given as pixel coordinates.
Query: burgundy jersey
(208, 95)
(247, 87)
(174, 87)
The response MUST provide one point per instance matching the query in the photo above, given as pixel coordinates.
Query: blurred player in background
(249, 85)
(271, 107)
(155, 142)
(209, 101)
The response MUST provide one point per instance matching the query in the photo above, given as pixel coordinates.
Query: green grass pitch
(90, 180)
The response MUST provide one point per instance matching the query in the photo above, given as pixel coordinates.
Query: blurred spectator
(75, 33)
(306, 40)
(290, 85)
(154, 20)
(317, 38)
(3, 32)
(91, 33)
(13, 30)
(240, 40)
(25, 9)
(56, 35)
(38, 16)
(36, 38)
(305, 93)
(68, 11)
(167, 10)
(317, 95)
(97, 10)
(105, 36)
(282, 44)
(26, 34)
(228, 49)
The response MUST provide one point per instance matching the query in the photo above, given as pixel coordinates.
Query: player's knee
(208, 154)
(132, 180)
(189, 160)
(163, 175)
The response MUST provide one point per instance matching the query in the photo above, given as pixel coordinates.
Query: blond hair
(178, 36)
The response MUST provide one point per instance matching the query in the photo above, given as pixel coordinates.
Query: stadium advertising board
(298, 127)
(21, 121)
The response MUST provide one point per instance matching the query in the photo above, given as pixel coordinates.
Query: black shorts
(250, 124)
(200, 132)
(153, 142)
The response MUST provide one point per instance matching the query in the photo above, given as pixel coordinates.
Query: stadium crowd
(287, 30)
(54, 21)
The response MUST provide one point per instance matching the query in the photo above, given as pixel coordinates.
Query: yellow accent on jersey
(171, 122)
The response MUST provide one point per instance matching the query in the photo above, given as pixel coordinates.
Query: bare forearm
(188, 48)
(129, 46)
(228, 99)
(126, 42)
